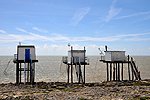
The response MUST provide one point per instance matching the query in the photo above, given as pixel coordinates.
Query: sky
(51, 24)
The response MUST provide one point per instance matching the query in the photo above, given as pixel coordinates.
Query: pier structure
(115, 63)
(25, 64)
(76, 61)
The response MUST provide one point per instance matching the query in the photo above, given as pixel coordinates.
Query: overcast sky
(51, 24)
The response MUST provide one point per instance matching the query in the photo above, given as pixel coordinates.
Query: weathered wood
(122, 72)
(71, 65)
(68, 70)
(84, 68)
(114, 71)
(107, 72)
(17, 73)
(118, 71)
(20, 72)
(129, 68)
(110, 71)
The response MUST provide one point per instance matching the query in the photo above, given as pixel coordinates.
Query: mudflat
(124, 90)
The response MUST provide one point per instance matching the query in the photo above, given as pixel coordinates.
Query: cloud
(3, 31)
(39, 29)
(79, 15)
(57, 38)
(134, 15)
(112, 11)
(21, 30)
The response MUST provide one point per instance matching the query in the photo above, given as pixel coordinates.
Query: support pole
(113, 71)
(84, 67)
(20, 72)
(68, 69)
(31, 74)
(122, 72)
(129, 67)
(28, 72)
(71, 65)
(17, 73)
(71, 73)
(110, 71)
(107, 72)
(118, 71)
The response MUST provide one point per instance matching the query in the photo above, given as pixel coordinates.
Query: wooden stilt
(110, 71)
(20, 72)
(84, 73)
(68, 69)
(118, 71)
(122, 72)
(28, 72)
(113, 71)
(129, 67)
(17, 73)
(107, 72)
(84, 68)
(71, 73)
(31, 74)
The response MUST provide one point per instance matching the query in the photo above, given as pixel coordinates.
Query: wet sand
(127, 90)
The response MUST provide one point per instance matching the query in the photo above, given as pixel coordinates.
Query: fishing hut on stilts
(77, 61)
(25, 64)
(115, 63)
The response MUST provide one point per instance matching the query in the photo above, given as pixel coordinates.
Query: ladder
(78, 70)
(135, 69)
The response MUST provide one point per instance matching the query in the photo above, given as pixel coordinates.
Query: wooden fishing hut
(25, 64)
(76, 60)
(115, 63)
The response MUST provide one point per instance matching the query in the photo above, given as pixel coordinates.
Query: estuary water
(51, 69)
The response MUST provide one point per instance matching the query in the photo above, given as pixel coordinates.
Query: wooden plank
(114, 71)
(110, 71)
(17, 73)
(68, 70)
(122, 72)
(107, 72)
(118, 71)
(129, 68)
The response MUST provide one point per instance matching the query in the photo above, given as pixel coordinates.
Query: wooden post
(122, 72)
(31, 74)
(132, 69)
(118, 71)
(110, 71)
(107, 72)
(28, 72)
(20, 72)
(113, 71)
(68, 69)
(17, 73)
(129, 67)
(84, 67)
(71, 65)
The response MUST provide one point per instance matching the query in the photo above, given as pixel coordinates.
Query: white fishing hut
(115, 61)
(77, 56)
(115, 56)
(26, 52)
(76, 59)
(25, 63)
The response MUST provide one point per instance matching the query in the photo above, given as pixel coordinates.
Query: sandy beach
(139, 90)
